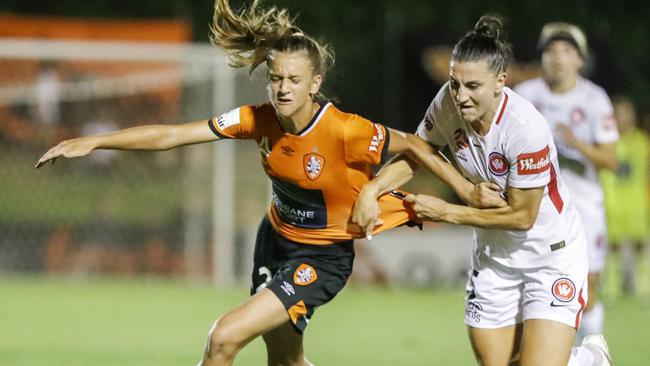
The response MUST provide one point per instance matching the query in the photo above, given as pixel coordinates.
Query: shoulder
(441, 105)
(521, 116)
(265, 110)
(593, 92)
(443, 98)
(529, 86)
(333, 113)
(338, 120)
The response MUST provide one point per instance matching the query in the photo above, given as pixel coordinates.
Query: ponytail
(485, 42)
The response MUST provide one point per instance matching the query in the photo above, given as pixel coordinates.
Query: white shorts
(499, 296)
(596, 234)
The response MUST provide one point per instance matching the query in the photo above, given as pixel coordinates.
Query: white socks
(581, 356)
(592, 322)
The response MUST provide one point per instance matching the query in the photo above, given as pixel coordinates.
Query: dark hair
(485, 42)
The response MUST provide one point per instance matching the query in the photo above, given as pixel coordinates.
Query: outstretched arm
(149, 137)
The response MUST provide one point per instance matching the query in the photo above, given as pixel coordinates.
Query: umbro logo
(287, 150)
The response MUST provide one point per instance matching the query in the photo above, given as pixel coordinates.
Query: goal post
(200, 197)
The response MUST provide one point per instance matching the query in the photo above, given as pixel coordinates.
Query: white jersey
(588, 111)
(518, 151)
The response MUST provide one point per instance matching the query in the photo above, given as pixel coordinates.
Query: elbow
(169, 139)
(613, 164)
(524, 223)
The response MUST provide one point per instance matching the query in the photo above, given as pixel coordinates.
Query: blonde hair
(249, 37)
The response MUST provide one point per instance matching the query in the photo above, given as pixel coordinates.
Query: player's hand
(74, 148)
(365, 213)
(567, 135)
(265, 151)
(486, 195)
(426, 207)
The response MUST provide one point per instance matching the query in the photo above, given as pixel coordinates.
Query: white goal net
(190, 211)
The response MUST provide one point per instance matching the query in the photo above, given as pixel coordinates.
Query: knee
(224, 341)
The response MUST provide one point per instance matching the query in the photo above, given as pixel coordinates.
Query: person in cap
(581, 117)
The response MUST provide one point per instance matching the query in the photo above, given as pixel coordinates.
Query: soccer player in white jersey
(581, 118)
(528, 283)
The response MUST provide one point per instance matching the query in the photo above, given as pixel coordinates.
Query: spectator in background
(581, 117)
(47, 90)
(46, 106)
(626, 192)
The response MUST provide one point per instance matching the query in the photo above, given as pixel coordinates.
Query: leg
(643, 270)
(593, 317)
(593, 282)
(546, 342)
(284, 347)
(258, 315)
(495, 346)
(629, 254)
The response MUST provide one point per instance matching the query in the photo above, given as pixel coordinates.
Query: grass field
(54, 321)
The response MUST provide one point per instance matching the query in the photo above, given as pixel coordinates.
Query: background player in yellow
(626, 199)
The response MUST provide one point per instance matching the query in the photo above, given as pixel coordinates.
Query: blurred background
(182, 223)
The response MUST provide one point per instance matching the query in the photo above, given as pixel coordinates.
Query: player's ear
(501, 82)
(315, 86)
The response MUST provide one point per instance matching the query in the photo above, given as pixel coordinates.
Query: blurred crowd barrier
(117, 212)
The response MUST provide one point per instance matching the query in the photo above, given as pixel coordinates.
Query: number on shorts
(264, 271)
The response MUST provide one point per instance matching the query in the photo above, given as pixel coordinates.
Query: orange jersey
(317, 173)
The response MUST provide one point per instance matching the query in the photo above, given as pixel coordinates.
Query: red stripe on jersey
(503, 108)
(553, 192)
(581, 301)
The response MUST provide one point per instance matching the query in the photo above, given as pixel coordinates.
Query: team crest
(498, 164)
(577, 115)
(313, 164)
(304, 275)
(564, 289)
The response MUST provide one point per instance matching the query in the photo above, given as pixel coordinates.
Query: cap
(565, 32)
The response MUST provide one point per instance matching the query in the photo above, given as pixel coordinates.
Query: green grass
(54, 321)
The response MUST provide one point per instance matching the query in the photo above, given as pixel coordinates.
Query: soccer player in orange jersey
(318, 159)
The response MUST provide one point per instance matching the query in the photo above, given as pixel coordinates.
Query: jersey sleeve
(605, 130)
(238, 123)
(529, 154)
(365, 141)
(430, 126)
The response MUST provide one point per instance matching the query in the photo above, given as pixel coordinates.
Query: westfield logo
(534, 163)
